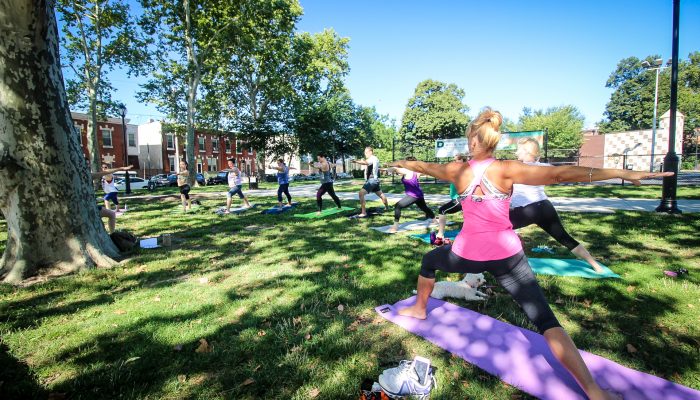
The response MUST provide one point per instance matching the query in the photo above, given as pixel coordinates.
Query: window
(202, 140)
(227, 143)
(199, 166)
(212, 164)
(170, 140)
(239, 147)
(250, 149)
(215, 144)
(131, 138)
(106, 138)
(171, 161)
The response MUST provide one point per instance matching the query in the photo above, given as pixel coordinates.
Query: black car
(219, 179)
(172, 180)
(156, 181)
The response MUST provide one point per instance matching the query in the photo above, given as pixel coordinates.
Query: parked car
(156, 181)
(343, 175)
(172, 180)
(135, 183)
(299, 177)
(219, 179)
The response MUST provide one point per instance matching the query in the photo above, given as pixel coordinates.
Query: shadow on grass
(17, 382)
(290, 344)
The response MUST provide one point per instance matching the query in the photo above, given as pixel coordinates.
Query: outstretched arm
(448, 172)
(100, 174)
(363, 162)
(518, 172)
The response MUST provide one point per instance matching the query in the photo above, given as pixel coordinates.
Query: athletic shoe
(433, 236)
(446, 241)
(403, 381)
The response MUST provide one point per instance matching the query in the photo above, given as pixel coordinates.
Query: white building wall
(150, 143)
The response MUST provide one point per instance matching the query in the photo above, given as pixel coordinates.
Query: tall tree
(190, 36)
(40, 155)
(631, 104)
(563, 124)
(98, 36)
(436, 111)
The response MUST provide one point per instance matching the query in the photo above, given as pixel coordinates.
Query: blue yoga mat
(568, 267)
(278, 210)
(426, 236)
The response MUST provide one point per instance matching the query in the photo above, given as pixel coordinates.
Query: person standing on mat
(371, 163)
(235, 184)
(414, 195)
(530, 205)
(450, 207)
(283, 182)
(487, 241)
(183, 184)
(324, 169)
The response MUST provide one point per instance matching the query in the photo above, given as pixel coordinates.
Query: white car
(134, 183)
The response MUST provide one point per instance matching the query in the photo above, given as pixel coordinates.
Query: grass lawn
(257, 306)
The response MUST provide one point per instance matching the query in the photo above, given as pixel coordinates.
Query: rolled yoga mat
(522, 358)
(426, 236)
(568, 267)
(324, 213)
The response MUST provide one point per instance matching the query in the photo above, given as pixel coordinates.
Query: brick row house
(161, 151)
(110, 140)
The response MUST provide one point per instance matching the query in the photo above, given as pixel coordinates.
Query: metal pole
(653, 127)
(126, 153)
(546, 144)
(393, 156)
(668, 201)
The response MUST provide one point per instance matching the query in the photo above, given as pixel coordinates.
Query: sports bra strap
(479, 171)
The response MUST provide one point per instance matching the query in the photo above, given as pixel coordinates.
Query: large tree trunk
(45, 186)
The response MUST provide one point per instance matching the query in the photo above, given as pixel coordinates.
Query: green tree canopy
(435, 111)
(631, 105)
(563, 124)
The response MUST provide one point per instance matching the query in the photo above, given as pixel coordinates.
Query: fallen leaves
(181, 378)
(204, 280)
(586, 303)
(630, 289)
(631, 349)
(341, 308)
(120, 312)
(261, 333)
(203, 347)
(313, 393)
(307, 336)
(248, 381)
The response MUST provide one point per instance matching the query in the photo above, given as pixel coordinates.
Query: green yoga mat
(568, 267)
(324, 213)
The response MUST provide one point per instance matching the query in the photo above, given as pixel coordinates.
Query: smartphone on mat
(422, 367)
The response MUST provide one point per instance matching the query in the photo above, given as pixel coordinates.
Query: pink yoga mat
(522, 358)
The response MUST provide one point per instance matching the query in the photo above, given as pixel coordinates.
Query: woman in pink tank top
(487, 241)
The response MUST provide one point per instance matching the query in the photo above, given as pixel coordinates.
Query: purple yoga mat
(522, 358)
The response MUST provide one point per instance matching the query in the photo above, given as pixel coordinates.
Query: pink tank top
(487, 233)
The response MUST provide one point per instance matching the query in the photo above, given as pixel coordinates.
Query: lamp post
(668, 201)
(654, 65)
(122, 109)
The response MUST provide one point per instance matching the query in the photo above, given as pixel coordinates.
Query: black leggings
(185, 189)
(450, 207)
(513, 273)
(284, 188)
(407, 201)
(545, 216)
(326, 188)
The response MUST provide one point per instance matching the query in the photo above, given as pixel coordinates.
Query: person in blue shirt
(283, 181)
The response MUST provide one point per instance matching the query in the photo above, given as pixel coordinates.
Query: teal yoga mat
(324, 213)
(568, 267)
(426, 236)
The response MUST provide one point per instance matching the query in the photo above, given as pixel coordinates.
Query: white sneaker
(403, 381)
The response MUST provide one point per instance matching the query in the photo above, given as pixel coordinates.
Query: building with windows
(160, 151)
(110, 140)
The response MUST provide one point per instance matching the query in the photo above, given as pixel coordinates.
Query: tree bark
(46, 194)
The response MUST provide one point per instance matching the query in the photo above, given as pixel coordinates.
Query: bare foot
(393, 229)
(413, 312)
(318, 213)
(598, 268)
(362, 215)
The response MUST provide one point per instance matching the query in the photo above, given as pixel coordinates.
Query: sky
(504, 54)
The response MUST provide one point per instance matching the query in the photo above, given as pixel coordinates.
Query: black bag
(125, 241)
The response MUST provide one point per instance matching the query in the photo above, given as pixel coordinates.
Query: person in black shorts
(184, 186)
(371, 185)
